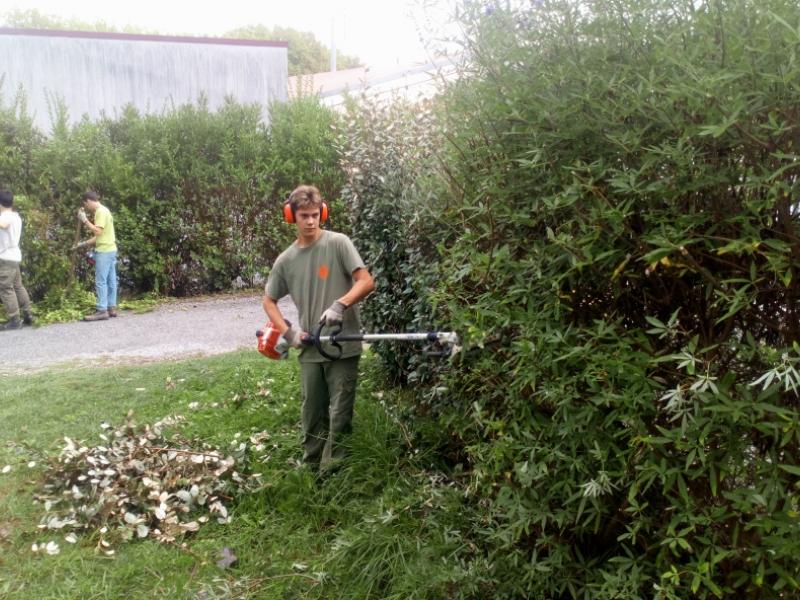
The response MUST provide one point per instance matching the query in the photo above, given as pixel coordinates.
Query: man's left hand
(334, 314)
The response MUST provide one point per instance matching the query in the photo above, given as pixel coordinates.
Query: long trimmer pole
(444, 337)
(334, 338)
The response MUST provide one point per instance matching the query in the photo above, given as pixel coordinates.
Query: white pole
(445, 337)
(333, 43)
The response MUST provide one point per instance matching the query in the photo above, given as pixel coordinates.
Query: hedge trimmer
(272, 344)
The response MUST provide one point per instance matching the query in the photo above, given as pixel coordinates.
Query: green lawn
(387, 525)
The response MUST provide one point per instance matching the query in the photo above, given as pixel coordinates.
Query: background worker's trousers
(329, 392)
(12, 293)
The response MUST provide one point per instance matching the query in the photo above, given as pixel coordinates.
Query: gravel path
(174, 330)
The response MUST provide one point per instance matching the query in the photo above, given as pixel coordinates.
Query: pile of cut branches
(139, 484)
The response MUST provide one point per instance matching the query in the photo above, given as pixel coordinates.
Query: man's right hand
(82, 216)
(294, 338)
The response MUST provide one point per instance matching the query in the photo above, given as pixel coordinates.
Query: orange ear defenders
(288, 213)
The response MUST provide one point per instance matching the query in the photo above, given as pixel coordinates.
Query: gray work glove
(82, 216)
(282, 347)
(334, 314)
(293, 337)
(79, 245)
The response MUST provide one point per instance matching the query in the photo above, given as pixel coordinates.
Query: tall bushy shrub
(626, 284)
(387, 151)
(18, 138)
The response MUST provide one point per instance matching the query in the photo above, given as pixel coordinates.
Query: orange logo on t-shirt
(323, 271)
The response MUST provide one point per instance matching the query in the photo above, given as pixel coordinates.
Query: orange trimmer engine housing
(268, 339)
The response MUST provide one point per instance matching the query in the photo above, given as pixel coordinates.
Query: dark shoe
(27, 319)
(112, 311)
(100, 315)
(330, 469)
(12, 323)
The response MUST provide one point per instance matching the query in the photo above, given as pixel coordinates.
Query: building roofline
(135, 37)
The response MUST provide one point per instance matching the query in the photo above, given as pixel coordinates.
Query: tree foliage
(34, 19)
(623, 178)
(307, 54)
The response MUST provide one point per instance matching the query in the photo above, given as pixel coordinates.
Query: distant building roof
(412, 81)
(137, 37)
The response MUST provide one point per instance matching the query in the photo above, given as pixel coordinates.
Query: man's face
(87, 204)
(307, 219)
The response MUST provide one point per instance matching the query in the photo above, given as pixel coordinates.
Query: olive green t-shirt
(106, 241)
(316, 276)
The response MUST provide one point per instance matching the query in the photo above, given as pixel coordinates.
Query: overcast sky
(379, 32)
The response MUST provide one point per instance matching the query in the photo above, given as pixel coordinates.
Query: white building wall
(96, 74)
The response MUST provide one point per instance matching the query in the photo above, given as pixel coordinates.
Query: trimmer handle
(316, 340)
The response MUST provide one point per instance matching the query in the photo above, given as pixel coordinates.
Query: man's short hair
(6, 198)
(304, 196)
(90, 196)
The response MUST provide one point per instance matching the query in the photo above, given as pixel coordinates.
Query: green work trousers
(12, 292)
(329, 392)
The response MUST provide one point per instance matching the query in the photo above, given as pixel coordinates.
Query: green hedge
(195, 193)
(622, 176)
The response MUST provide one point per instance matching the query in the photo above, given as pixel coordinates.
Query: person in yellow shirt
(105, 256)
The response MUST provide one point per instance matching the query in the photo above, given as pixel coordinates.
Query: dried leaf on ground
(228, 558)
